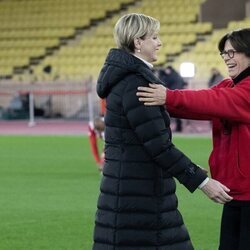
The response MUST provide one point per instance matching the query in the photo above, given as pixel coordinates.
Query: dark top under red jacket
(227, 105)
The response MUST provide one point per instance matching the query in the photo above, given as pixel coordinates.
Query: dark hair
(240, 40)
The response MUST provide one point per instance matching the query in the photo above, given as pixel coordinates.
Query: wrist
(203, 183)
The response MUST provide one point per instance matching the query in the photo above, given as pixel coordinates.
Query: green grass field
(49, 188)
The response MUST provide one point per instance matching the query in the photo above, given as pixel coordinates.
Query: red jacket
(227, 105)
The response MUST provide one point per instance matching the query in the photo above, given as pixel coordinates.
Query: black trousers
(235, 227)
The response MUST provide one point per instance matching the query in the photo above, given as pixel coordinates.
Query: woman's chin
(154, 59)
(232, 73)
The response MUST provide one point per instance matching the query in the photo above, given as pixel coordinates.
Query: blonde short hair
(132, 26)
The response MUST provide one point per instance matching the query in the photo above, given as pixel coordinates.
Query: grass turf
(49, 188)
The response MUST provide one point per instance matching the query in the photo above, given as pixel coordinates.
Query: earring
(138, 50)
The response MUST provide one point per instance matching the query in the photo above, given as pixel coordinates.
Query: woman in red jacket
(227, 105)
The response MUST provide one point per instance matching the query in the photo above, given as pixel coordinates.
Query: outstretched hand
(216, 191)
(155, 94)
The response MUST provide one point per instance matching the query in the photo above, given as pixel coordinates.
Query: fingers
(151, 103)
(222, 198)
(225, 194)
(217, 192)
(142, 91)
(225, 188)
(153, 85)
(218, 200)
(148, 101)
(144, 94)
(147, 96)
(145, 90)
(226, 197)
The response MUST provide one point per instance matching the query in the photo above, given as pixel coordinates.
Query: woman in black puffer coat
(137, 206)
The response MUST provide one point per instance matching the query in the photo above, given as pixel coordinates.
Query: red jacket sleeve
(222, 101)
(180, 113)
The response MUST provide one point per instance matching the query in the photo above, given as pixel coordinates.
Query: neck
(150, 65)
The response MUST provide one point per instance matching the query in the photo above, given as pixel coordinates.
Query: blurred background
(51, 51)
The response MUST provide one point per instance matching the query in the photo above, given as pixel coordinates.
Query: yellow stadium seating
(74, 36)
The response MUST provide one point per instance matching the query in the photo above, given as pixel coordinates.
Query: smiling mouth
(231, 66)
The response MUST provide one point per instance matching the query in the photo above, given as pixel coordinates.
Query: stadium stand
(73, 37)
(205, 53)
(31, 30)
(53, 50)
(80, 59)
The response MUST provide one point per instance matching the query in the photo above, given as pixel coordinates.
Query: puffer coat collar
(118, 64)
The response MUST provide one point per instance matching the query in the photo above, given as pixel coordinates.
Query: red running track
(44, 127)
(65, 127)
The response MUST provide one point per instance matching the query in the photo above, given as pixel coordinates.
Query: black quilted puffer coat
(137, 206)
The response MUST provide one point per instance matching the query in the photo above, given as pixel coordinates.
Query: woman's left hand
(155, 94)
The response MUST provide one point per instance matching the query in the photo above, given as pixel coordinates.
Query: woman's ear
(137, 43)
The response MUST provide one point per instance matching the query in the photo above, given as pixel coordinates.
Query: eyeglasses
(229, 53)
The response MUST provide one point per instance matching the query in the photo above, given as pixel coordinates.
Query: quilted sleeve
(152, 131)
